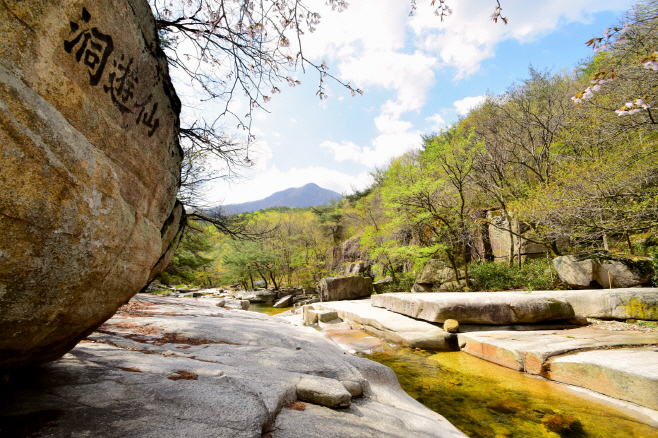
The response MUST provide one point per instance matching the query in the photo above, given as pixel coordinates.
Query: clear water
(486, 400)
(267, 308)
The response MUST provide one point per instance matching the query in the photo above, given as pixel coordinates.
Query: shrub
(533, 275)
(405, 280)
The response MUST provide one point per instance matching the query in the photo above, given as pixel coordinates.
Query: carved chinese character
(122, 82)
(94, 48)
(147, 118)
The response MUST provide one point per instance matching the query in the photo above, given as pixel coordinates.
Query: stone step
(390, 326)
(498, 308)
(529, 351)
(629, 374)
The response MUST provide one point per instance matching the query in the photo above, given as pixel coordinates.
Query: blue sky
(418, 74)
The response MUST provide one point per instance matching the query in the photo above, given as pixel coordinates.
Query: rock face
(603, 268)
(89, 172)
(344, 288)
(349, 258)
(496, 308)
(435, 272)
(436, 276)
(499, 239)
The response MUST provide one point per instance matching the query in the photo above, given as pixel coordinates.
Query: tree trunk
(453, 263)
(251, 279)
(466, 279)
(263, 277)
(628, 242)
(511, 237)
(519, 241)
(276, 286)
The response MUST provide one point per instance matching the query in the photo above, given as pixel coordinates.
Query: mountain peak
(309, 195)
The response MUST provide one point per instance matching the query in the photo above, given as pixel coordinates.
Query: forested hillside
(562, 161)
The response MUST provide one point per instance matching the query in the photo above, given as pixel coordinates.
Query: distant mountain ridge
(309, 195)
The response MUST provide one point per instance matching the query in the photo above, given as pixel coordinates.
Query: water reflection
(267, 308)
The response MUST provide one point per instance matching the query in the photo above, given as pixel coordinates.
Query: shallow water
(486, 400)
(267, 308)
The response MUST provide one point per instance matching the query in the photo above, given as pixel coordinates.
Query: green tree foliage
(527, 162)
(192, 259)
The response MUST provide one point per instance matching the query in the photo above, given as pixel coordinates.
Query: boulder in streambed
(603, 268)
(256, 296)
(286, 301)
(344, 288)
(498, 308)
(89, 172)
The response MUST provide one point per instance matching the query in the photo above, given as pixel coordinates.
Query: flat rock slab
(477, 307)
(165, 368)
(556, 355)
(629, 374)
(392, 326)
(356, 340)
(628, 303)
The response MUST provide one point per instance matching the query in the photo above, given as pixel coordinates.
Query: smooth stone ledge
(391, 326)
(600, 360)
(626, 303)
(629, 374)
(498, 308)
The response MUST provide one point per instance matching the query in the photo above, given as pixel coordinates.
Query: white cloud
(437, 121)
(385, 146)
(410, 76)
(468, 37)
(466, 104)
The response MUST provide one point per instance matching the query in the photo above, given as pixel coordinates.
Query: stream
(485, 400)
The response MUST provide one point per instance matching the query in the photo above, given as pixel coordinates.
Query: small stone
(578, 320)
(221, 303)
(451, 326)
(327, 315)
(324, 392)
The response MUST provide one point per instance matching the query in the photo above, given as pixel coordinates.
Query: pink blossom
(621, 112)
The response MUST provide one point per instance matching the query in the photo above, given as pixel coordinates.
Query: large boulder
(435, 272)
(437, 276)
(89, 172)
(496, 308)
(344, 288)
(603, 268)
(257, 295)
